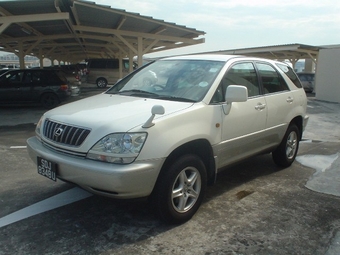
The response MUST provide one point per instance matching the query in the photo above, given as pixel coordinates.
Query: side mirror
(156, 109)
(234, 93)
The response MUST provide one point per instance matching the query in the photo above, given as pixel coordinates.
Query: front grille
(63, 151)
(65, 134)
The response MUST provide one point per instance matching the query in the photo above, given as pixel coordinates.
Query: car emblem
(58, 132)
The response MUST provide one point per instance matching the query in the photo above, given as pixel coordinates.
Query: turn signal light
(64, 87)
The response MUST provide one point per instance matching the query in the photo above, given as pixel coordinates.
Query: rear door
(27, 88)
(279, 100)
(38, 83)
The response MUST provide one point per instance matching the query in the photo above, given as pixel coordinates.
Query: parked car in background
(307, 80)
(2, 71)
(106, 71)
(168, 139)
(43, 86)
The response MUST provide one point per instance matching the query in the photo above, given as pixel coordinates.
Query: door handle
(260, 107)
(290, 100)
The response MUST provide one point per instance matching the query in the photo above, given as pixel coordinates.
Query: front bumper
(119, 181)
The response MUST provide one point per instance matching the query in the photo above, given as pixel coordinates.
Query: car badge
(58, 131)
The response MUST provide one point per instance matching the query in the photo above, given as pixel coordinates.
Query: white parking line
(18, 147)
(67, 197)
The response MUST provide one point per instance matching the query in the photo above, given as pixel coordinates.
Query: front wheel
(180, 189)
(285, 154)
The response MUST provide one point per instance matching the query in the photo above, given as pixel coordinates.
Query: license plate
(47, 168)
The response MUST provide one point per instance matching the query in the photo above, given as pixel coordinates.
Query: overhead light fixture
(158, 48)
(25, 30)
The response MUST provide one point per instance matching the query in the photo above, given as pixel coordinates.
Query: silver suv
(168, 138)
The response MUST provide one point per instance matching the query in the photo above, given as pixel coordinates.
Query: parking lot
(254, 208)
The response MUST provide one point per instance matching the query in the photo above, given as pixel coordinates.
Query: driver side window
(239, 74)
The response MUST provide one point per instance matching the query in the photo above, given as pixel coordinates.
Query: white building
(327, 77)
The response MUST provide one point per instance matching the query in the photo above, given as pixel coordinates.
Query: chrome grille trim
(65, 134)
(63, 151)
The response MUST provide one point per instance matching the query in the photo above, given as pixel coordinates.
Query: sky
(234, 24)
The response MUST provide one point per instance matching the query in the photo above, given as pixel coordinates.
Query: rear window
(291, 74)
(306, 77)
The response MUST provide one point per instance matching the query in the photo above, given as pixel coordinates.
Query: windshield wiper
(132, 91)
(173, 98)
(135, 92)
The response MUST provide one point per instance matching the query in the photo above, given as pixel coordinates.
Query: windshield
(178, 80)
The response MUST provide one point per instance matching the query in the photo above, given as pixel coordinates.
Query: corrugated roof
(72, 30)
(285, 51)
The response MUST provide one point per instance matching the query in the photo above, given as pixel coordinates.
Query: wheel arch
(298, 121)
(202, 149)
(48, 92)
(45, 93)
(101, 78)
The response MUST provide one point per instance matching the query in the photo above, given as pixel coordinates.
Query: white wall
(327, 77)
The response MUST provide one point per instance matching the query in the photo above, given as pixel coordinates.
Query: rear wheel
(49, 100)
(101, 83)
(285, 154)
(180, 189)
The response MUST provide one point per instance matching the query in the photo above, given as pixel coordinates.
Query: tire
(49, 100)
(285, 154)
(101, 83)
(180, 190)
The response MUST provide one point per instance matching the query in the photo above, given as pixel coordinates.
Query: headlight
(38, 127)
(120, 148)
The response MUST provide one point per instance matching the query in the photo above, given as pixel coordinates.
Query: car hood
(112, 113)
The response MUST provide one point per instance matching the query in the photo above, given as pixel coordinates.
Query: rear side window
(35, 76)
(97, 63)
(272, 81)
(291, 74)
(52, 78)
(112, 63)
(40, 77)
(104, 63)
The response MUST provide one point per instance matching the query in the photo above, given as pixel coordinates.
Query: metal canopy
(74, 30)
(292, 52)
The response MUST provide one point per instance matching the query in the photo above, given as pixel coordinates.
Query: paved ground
(254, 208)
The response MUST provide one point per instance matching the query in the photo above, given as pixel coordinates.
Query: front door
(11, 87)
(243, 126)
